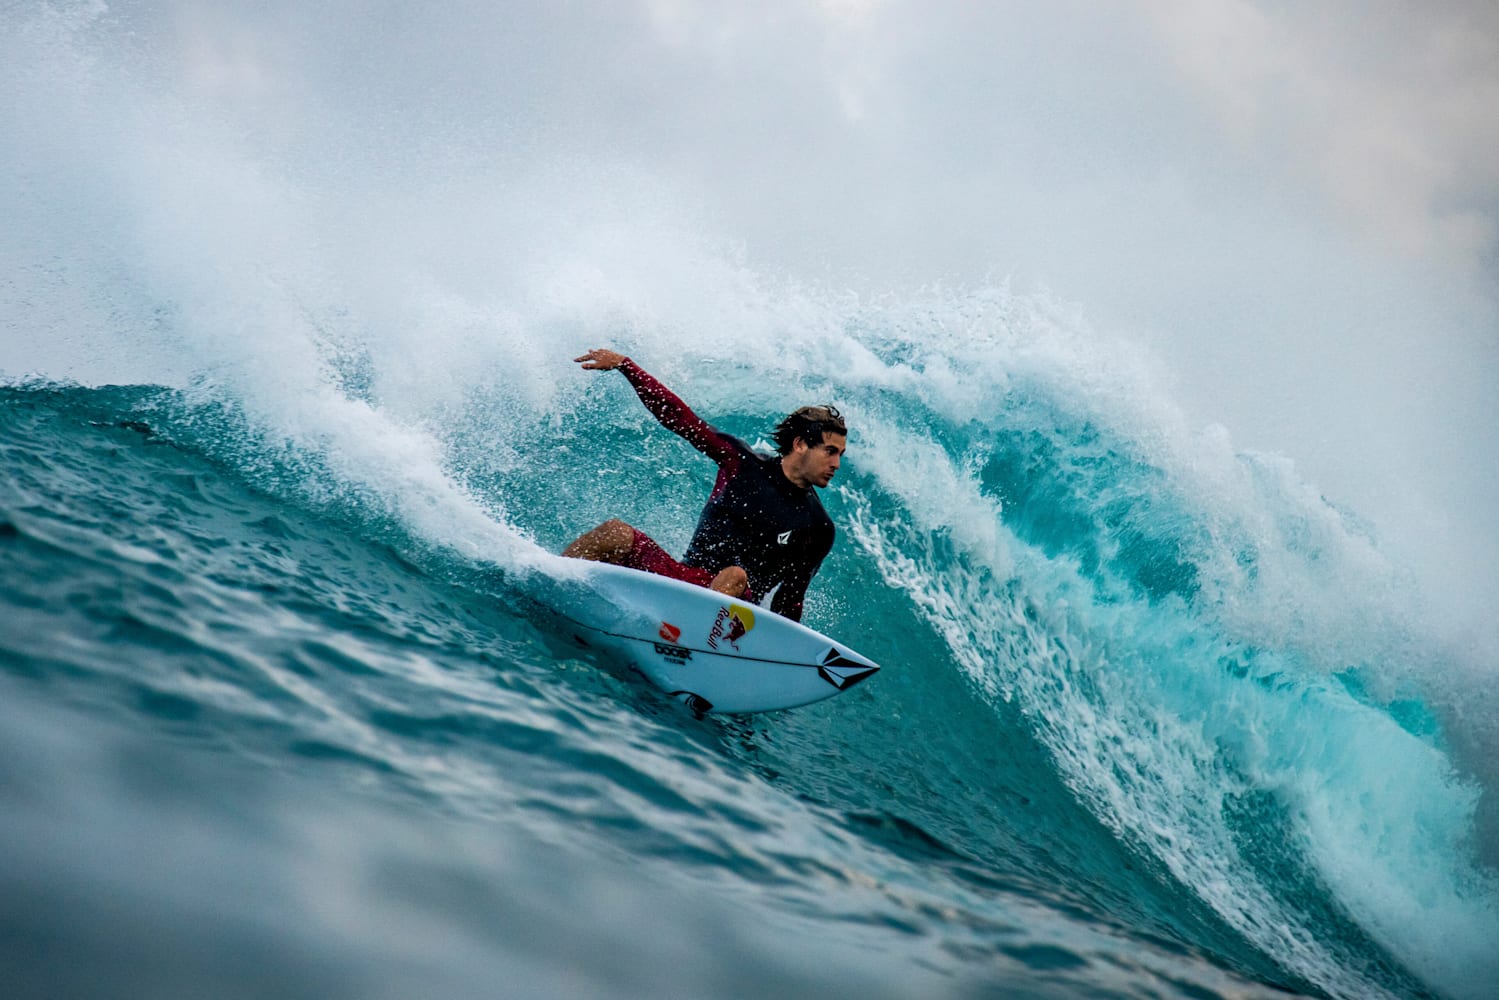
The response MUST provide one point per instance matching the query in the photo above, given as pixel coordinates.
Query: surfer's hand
(601, 360)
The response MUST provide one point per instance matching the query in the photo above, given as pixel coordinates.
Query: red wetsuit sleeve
(677, 417)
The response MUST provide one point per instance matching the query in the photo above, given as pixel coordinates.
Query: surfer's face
(815, 464)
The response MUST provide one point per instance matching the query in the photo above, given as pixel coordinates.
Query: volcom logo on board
(841, 672)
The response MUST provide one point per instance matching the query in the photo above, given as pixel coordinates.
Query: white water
(463, 199)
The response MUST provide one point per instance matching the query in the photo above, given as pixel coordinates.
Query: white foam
(186, 212)
(1158, 737)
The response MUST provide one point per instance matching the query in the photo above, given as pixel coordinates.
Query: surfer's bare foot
(610, 542)
(732, 581)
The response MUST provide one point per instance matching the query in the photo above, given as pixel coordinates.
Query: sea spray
(358, 329)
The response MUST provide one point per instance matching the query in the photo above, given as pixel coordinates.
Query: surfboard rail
(709, 651)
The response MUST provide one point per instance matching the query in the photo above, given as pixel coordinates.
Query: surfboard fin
(696, 702)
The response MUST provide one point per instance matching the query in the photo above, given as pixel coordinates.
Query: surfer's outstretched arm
(675, 415)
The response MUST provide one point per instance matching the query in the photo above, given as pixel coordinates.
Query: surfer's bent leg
(733, 581)
(616, 542)
(647, 555)
(610, 542)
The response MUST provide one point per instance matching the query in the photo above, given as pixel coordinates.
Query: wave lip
(1184, 632)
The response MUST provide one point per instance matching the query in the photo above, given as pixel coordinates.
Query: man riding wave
(763, 528)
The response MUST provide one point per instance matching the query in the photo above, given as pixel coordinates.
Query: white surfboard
(712, 652)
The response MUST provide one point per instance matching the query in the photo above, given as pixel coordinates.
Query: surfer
(763, 528)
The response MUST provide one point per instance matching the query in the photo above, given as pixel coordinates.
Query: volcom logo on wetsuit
(784, 538)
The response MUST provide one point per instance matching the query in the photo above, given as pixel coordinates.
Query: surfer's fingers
(600, 358)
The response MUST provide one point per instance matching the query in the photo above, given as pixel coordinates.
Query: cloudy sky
(1294, 206)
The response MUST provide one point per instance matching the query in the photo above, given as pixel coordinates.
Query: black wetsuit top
(755, 518)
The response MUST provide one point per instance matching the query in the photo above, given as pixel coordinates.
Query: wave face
(1150, 719)
(277, 713)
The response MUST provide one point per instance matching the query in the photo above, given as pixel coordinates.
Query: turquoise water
(289, 434)
(264, 732)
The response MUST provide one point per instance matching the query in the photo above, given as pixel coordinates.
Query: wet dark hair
(808, 423)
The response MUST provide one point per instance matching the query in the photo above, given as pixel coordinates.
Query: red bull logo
(731, 625)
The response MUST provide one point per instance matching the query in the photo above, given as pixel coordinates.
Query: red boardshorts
(647, 555)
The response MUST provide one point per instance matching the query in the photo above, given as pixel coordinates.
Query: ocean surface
(1142, 731)
(290, 436)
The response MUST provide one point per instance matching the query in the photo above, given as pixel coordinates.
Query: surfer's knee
(733, 581)
(615, 530)
(609, 542)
